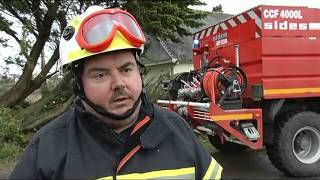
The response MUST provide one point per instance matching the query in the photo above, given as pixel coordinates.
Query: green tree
(166, 19)
(41, 23)
(217, 9)
(36, 19)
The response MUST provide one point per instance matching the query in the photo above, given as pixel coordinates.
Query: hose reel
(224, 83)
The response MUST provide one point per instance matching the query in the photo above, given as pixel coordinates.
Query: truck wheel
(226, 147)
(296, 146)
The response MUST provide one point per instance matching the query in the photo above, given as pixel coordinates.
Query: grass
(6, 169)
(9, 155)
(203, 139)
(9, 152)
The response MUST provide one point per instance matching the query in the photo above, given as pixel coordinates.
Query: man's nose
(118, 82)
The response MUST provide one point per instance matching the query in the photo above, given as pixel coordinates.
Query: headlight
(196, 43)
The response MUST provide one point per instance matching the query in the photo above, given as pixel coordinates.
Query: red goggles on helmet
(97, 31)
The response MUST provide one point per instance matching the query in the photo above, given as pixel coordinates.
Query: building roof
(162, 51)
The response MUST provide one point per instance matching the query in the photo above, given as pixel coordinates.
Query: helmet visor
(99, 29)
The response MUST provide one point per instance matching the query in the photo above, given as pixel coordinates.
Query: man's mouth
(120, 99)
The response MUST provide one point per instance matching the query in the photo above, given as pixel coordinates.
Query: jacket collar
(157, 131)
(94, 127)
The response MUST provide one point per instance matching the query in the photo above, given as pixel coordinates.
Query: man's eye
(127, 69)
(99, 76)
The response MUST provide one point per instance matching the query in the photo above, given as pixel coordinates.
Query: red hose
(209, 83)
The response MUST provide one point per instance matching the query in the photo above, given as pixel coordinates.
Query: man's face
(112, 81)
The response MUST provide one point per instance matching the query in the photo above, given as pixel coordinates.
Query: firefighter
(112, 131)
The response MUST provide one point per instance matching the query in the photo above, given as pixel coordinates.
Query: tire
(226, 147)
(296, 144)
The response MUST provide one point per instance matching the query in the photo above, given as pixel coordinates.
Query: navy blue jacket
(75, 145)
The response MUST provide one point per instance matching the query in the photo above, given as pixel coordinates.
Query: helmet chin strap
(102, 111)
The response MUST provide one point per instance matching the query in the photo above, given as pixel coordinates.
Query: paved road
(249, 165)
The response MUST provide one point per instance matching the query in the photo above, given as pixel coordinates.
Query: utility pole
(44, 86)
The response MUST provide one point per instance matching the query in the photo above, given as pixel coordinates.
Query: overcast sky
(239, 6)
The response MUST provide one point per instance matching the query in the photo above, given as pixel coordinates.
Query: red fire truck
(256, 84)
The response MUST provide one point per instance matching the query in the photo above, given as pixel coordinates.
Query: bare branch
(5, 28)
(21, 19)
(44, 33)
(12, 34)
(43, 74)
(36, 12)
(50, 75)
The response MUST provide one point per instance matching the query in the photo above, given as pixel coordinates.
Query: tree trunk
(47, 116)
(41, 111)
(26, 85)
(15, 95)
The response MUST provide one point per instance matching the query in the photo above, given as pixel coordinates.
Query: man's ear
(142, 70)
(141, 67)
